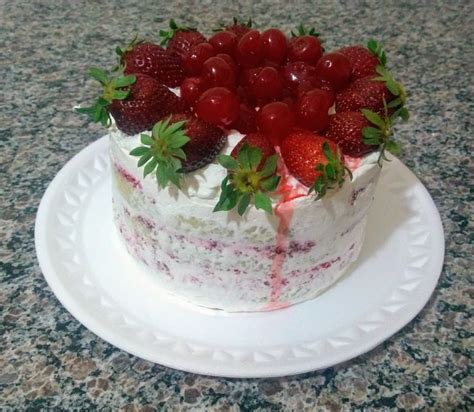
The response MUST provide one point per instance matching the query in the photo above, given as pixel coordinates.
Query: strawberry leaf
(245, 183)
(374, 118)
(99, 75)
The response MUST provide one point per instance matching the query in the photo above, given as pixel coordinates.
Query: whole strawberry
(358, 133)
(239, 28)
(180, 39)
(314, 160)
(346, 130)
(256, 140)
(152, 60)
(206, 141)
(363, 62)
(363, 93)
(136, 102)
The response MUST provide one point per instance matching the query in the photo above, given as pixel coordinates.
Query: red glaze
(294, 74)
(267, 84)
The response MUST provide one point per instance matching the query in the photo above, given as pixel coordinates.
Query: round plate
(89, 270)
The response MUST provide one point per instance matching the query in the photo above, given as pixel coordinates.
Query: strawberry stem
(245, 183)
(331, 175)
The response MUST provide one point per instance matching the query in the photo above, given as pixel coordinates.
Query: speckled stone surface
(50, 360)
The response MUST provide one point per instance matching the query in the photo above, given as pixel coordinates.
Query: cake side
(228, 262)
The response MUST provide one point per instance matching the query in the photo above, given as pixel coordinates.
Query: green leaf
(243, 204)
(120, 94)
(371, 133)
(394, 147)
(255, 156)
(262, 201)
(392, 86)
(330, 171)
(327, 152)
(228, 162)
(99, 75)
(404, 114)
(124, 81)
(243, 156)
(179, 153)
(161, 175)
(373, 118)
(149, 167)
(178, 141)
(227, 201)
(270, 166)
(144, 159)
(395, 103)
(270, 184)
(139, 151)
(145, 139)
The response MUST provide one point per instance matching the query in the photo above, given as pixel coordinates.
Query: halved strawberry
(180, 39)
(152, 60)
(136, 102)
(314, 160)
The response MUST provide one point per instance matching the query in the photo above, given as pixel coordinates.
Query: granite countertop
(48, 359)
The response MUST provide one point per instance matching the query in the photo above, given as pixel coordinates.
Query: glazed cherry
(217, 72)
(312, 110)
(304, 49)
(297, 73)
(230, 61)
(246, 122)
(267, 84)
(335, 68)
(195, 58)
(326, 86)
(224, 42)
(274, 45)
(249, 50)
(218, 106)
(275, 120)
(192, 88)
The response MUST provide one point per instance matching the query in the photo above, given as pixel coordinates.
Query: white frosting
(226, 261)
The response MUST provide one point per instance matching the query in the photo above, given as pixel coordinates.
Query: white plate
(88, 269)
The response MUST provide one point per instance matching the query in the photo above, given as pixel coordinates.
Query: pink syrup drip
(289, 190)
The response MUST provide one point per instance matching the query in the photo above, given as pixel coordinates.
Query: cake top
(301, 110)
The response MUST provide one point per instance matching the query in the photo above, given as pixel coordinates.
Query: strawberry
(206, 142)
(358, 133)
(314, 160)
(363, 93)
(346, 130)
(152, 60)
(255, 140)
(136, 102)
(180, 39)
(178, 145)
(239, 28)
(363, 62)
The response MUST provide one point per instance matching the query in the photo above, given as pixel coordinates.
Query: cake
(248, 187)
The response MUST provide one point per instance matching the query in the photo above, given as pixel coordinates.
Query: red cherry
(275, 120)
(195, 58)
(249, 50)
(218, 106)
(192, 88)
(230, 61)
(245, 123)
(326, 86)
(224, 42)
(274, 45)
(267, 84)
(334, 68)
(312, 110)
(304, 49)
(216, 72)
(296, 73)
